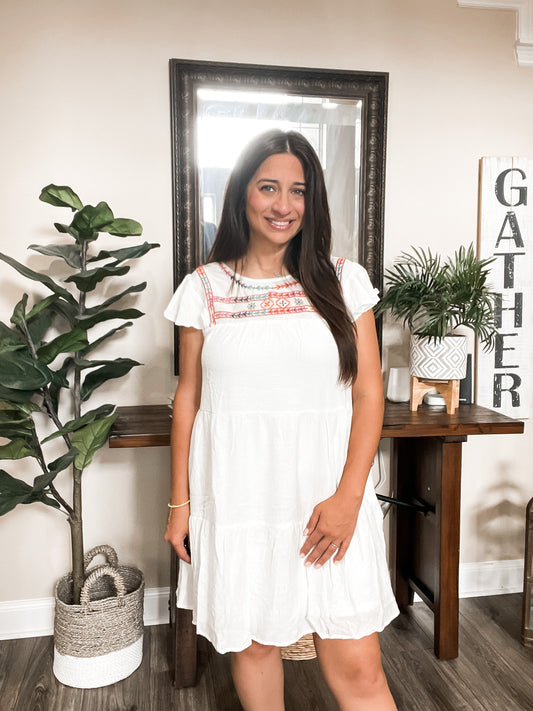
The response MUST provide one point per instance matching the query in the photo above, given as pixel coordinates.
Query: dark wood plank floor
(494, 672)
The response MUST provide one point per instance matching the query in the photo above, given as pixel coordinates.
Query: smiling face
(275, 201)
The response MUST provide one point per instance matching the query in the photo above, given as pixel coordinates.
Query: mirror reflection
(228, 119)
(217, 107)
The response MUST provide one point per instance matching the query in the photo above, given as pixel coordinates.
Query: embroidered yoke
(269, 442)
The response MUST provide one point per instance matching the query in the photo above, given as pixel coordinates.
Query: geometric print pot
(443, 359)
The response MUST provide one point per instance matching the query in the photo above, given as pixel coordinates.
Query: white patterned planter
(444, 359)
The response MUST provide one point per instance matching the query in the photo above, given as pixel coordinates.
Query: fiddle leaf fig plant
(46, 372)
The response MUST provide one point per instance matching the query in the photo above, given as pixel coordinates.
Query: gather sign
(503, 377)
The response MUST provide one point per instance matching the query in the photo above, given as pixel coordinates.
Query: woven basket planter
(443, 359)
(99, 641)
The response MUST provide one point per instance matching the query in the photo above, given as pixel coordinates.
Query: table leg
(447, 583)
(183, 635)
(426, 545)
(401, 529)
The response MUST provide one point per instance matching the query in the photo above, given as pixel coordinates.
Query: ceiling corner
(524, 23)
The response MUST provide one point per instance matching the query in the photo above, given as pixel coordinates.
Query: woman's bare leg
(258, 677)
(353, 671)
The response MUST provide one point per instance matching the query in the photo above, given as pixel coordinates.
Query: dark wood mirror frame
(370, 87)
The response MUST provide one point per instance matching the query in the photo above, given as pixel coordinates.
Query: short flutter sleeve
(357, 290)
(188, 305)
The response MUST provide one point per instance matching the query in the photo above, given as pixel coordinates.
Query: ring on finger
(334, 545)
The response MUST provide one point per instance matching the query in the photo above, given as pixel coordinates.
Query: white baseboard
(35, 618)
(492, 578)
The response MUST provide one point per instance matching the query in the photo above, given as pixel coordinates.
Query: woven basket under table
(304, 648)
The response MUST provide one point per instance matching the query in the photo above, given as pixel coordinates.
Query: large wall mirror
(216, 108)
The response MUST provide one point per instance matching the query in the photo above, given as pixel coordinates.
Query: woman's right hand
(178, 530)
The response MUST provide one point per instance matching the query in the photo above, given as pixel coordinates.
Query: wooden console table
(426, 473)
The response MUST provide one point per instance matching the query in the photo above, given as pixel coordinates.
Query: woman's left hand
(330, 530)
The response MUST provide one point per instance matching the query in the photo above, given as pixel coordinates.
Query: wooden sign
(504, 375)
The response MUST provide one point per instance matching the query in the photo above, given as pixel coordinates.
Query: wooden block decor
(449, 389)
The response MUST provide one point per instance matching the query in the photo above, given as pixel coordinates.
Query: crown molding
(524, 24)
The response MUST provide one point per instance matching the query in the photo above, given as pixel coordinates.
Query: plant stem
(76, 537)
(57, 496)
(76, 520)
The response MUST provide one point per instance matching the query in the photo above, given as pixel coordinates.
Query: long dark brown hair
(307, 257)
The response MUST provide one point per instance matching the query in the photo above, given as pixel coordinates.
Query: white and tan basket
(99, 641)
(304, 648)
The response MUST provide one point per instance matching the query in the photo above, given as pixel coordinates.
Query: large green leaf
(43, 481)
(48, 500)
(36, 276)
(71, 253)
(66, 310)
(95, 378)
(91, 220)
(107, 335)
(93, 319)
(67, 230)
(64, 461)
(122, 227)
(15, 491)
(20, 372)
(10, 340)
(12, 492)
(84, 363)
(61, 196)
(15, 432)
(90, 439)
(120, 255)
(39, 325)
(16, 449)
(41, 305)
(87, 280)
(15, 396)
(70, 342)
(19, 312)
(59, 376)
(112, 299)
(16, 425)
(23, 408)
(73, 425)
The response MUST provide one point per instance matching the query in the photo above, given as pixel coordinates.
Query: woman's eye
(266, 188)
(299, 191)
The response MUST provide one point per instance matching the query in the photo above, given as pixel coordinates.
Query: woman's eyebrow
(275, 180)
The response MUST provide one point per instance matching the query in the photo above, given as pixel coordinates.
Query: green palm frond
(432, 298)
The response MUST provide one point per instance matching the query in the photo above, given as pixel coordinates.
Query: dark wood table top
(149, 425)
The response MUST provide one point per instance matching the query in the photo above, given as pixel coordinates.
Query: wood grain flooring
(493, 672)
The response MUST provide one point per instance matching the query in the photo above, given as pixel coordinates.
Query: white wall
(84, 90)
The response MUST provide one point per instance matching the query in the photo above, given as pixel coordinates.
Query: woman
(277, 417)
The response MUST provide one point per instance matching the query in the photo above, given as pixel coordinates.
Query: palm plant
(46, 350)
(433, 297)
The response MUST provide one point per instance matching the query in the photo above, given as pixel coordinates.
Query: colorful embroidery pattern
(281, 299)
(267, 303)
(208, 294)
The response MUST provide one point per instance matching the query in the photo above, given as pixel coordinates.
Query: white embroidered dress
(269, 442)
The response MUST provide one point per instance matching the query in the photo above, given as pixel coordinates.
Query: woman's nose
(282, 203)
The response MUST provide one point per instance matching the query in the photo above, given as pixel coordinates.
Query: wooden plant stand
(449, 389)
